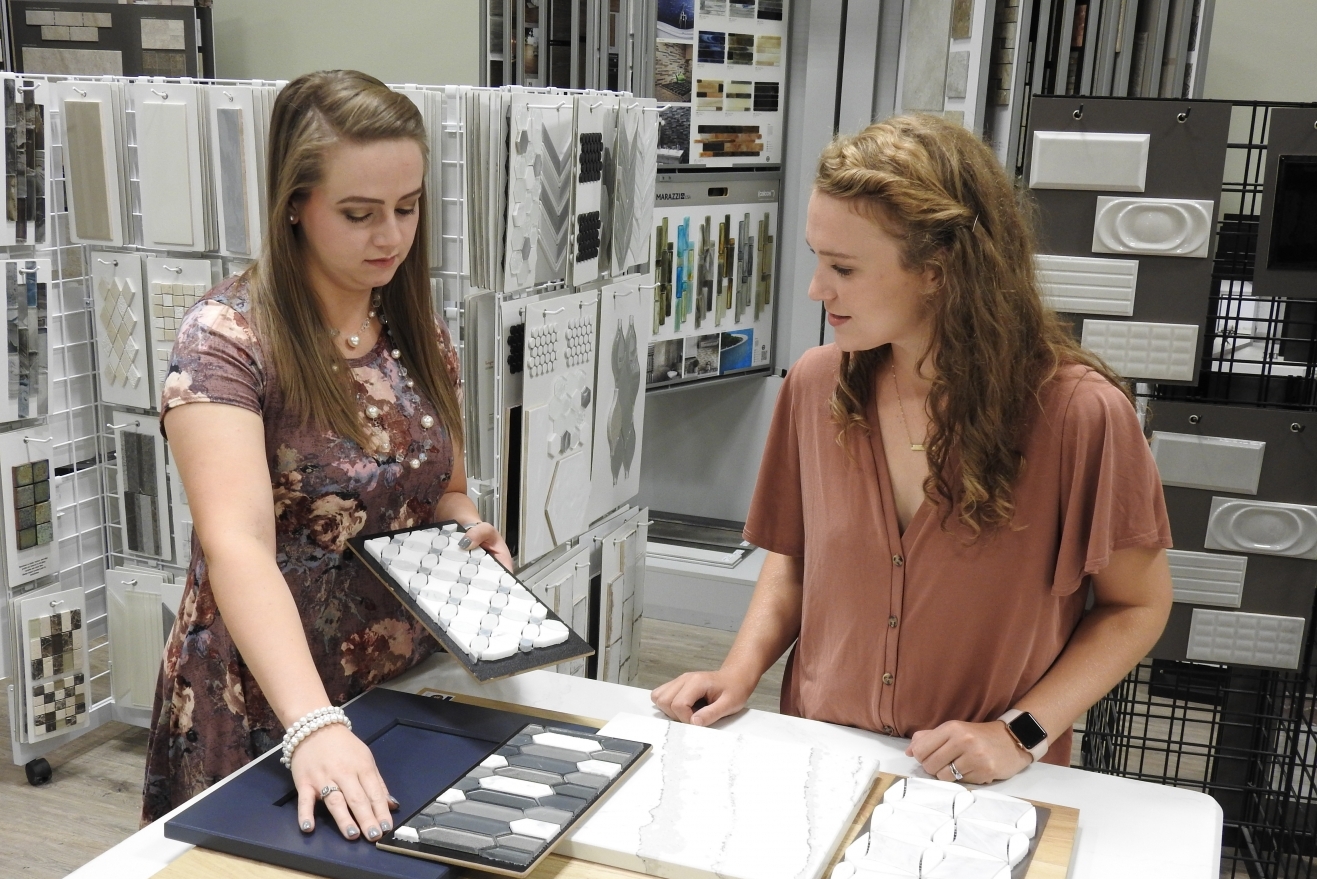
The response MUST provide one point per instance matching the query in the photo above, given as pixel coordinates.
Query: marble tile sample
(1263, 527)
(477, 604)
(508, 811)
(168, 160)
(1137, 349)
(53, 651)
(31, 540)
(957, 75)
(72, 62)
(86, 169)
(120, 328)
(624, 310)
(1207, 577)
(1101, 160)
(233, 179)
(1088, 284)
(163, 33)
(25, 157)
(633, 189)
(711, 803)
(1212, 463)
(1153, 226)
(1247, 638)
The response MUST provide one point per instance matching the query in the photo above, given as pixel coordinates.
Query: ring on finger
(327, 790)
(956, 773)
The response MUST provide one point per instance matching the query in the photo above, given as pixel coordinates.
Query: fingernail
(386, 826)
(464, 543)
(353, 832)
(373, 833)
(393, 802)
(306, 825)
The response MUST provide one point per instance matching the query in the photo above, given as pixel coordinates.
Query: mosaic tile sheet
(58, 705)
(24, 162)
(33, 520)
(467, 594)
(120, 316)
(509, 811)
(55, 644)
(31, 539)
(169, 302)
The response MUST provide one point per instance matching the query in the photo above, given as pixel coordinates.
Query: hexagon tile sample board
(624, 314)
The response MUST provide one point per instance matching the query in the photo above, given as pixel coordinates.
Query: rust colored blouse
(902, 632)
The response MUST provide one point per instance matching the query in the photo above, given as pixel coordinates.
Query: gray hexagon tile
(507, 812)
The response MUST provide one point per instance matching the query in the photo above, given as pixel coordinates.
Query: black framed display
(1287, 220)
(1294, 215)
(96, 39)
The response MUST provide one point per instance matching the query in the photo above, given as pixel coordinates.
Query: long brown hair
(312, 114)
(940, 191)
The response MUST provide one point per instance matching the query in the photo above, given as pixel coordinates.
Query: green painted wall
(1263, 50)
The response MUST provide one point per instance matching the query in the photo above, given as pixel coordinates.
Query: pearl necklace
(355, 339)
(373, 412)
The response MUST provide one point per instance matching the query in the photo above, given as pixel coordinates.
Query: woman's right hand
(724, 692)
(333, 755)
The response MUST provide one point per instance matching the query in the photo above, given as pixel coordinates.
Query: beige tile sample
(925, 75)
(73, 62)
(163, 33)
(86, 161)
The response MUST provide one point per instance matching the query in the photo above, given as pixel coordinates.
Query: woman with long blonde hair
(311, 398)
(945, 485)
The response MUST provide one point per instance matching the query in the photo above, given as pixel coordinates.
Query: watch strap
(1039, 750)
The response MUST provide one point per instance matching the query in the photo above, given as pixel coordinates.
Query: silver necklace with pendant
(355, 339)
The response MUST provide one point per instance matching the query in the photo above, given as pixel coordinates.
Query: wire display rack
(1244, 735)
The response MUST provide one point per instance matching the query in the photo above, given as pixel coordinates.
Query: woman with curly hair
(944, 486)
(311, 398)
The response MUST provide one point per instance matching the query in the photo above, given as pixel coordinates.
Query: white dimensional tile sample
(91, 114)
(467, 594)
(1153, 226)
(633, 188)
(1213, 463)
(26, 478)
(121, 345)
(1263, 527)
(1101, 160)
(27, 289)
(1207, 577)
(1248, 638)
(524, 164)
(555, 206)
(52, 631)
(171, 169)
(625, 310)
(173, 286)
(622, 598)
(497, 814)
(25, 160)
(142, 607)
(1088, 284)
(564, 587)
(586, 226)
(181, 513)
(1136, 349)
(143, 489)
(711, 803)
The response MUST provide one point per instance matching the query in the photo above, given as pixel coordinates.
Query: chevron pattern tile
(555, 209)
(637, 145)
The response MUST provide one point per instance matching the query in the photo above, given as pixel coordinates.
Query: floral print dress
(210, 717)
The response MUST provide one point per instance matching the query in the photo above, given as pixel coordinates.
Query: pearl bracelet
(309, 723)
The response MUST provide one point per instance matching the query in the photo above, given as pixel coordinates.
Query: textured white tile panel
(1088, 284)
(1214, 463)
(1264, 527)
(1153, 226)
(1144, 350)
(1207, 577)
(1250, 638)
(1089, 160)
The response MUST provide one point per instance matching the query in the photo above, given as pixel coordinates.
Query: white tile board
(1213, 463)
(1100, 160)
(1248, 638)
(1138, 349)
(120, 325)
(1153, 226)
(1088, 285)
(1207, 577)
(1263, 527)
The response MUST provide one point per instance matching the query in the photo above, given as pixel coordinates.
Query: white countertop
(1127, 828)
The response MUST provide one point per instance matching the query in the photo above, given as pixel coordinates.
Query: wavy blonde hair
(941, 192)
(311, 115)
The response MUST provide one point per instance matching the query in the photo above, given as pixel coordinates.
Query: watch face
(1028, 731)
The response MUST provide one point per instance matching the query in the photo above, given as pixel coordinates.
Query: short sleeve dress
(210, 717)
(902, 631)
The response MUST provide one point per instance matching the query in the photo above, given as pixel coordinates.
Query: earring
(292, 218)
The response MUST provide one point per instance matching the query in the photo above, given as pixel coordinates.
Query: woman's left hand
(981, 752)
(486, 536)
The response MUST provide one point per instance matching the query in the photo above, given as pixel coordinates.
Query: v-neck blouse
(902, 632)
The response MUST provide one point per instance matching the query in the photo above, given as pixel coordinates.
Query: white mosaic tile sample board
(710, 803)
(564, 587)
(121, 339)
(173, 286)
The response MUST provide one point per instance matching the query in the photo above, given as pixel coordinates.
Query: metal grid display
(1244, 735)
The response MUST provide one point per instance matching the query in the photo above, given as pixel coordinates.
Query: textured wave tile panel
(1207, 577)
(1153, 226)
(1213, 463)
(1263, 527)
(1101, 160)
(1136, 349)
(1248, 638)
(710, 803)
(1088, 285)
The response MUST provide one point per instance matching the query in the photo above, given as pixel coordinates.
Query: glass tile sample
(727, 792)
(25, 163)
(1212, 463)
(768, 50)
(742, 8)
(712, 47)
(86, 163)
(713, 7)
(1294, 217)
(233, 178)
(740, 48)
(729, 141)
(766, 97)
(740, 96)
(709, 94)
(770, 10)
(510, 810)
